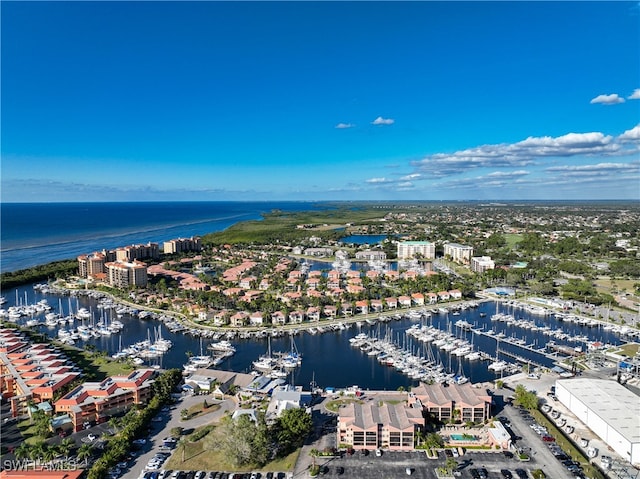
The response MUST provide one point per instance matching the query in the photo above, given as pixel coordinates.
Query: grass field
(607, 285)
(512, 239)
(334, 405)
(96, 366)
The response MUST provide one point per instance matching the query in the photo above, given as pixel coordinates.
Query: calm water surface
(328, 358)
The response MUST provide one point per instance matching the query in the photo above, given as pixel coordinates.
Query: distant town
(316, 271)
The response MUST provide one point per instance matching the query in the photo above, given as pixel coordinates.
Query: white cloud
(342, 126)
(383, 121)
(379, 180)
(611, 99)
(631, 135)
(635, 95)
(600, 168)
(508, 174)
(412, 176)
(520, 154)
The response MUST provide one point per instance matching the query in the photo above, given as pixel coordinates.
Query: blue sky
(146, 101)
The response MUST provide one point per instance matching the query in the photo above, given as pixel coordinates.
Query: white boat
(223, 345)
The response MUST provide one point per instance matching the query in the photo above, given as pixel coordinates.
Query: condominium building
(480, 264)
(138, 251)
(410, 249)
(98, 401)
(455, 401)
(458, 252)
(371, 255)
(123, 274)
(31, 372)
(371, 425)
(91, 265)
(181, 245)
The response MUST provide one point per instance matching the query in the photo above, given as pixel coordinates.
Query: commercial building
(458, 252)
(455, 401)
(411, 249)
(98, 401)
(609, 409)
(122, 274)
(480, 264)
(181, 245)
(372, 425)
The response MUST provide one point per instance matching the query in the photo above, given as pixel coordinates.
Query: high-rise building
(480, 264)
(90, 265)
(182, 245)
(125, 274)
(138, 251)
(410, 249)
(458, 252)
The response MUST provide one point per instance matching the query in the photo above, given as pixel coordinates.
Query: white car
(140, 442)
(378, 452)
(91, 437)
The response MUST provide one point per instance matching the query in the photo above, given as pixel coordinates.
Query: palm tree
(49, 453)
(114, 423)
(23, 451)
(84, 452)
(66, 446)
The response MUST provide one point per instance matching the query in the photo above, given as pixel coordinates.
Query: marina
(428, 344)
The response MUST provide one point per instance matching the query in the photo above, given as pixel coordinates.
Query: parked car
(522, 474)
(378, 452)
(506, 473)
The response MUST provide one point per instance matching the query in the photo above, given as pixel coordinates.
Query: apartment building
(122, 274)
(91, 265)
(458, 252)
(371, 255)
(138, 252)
(372, 425)
(98, 401)
(454, 401)
(31, 372)
(480, 264)
(182, 245)
(411, 249)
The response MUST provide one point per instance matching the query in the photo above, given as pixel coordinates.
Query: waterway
(328, 358)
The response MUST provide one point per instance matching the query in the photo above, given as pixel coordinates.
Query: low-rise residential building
(372, 425)
(98, 401)
(318, 252)
(371, 255)
(455, 401)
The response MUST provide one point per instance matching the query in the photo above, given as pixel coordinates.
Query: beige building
(456, 401)
(410, 249)
(90, 265)
(124, 274)
(480, 264)
(370, 255)
(138, 251)
(182, 245)
(458, 252)
(372, 426)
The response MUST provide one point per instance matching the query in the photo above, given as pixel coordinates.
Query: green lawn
(512, 239)
(94, 365)
(334, 405)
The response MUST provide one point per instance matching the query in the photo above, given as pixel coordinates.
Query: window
(394, 439)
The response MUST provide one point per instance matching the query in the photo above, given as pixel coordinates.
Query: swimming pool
(462, 437)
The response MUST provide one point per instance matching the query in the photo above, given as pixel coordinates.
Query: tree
(23, 451)
(451, 465)
(84, 452)
(182, 445)
(66, 446)
(434, 440)
(176, 432)
(184, 414)
(524, 398)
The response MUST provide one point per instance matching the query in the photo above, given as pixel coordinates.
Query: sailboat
(460, 378)
(267, 362)
(293, 359)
